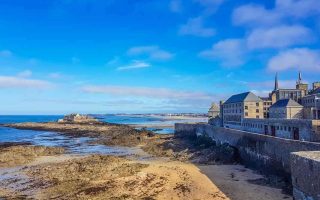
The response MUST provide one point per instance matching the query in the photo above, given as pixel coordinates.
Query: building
(294, 94)
(296, 129)
(286, 109)
(241, 106)
(315, 86)
(311, 104)
(214, 111)
(267, 102)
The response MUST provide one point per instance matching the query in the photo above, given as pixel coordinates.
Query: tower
(301, 86)
(276, 84)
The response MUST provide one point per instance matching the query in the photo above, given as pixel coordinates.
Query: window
(246, 114)
(289, 128)
(257, 117)
(246, 107)
(257, 104)
(277, 127)
(257, 110)
(285, 128)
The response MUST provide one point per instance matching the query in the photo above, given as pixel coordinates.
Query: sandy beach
(165, 167)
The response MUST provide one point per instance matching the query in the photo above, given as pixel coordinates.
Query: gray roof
(243, 97)
(316, 91)
(286, 103)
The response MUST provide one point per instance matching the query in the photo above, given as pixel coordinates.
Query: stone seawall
(305, 172)
(264, 152)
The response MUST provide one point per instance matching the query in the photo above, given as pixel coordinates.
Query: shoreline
(167, 152)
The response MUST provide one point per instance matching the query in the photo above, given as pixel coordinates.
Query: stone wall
(305, 172)
(260, 151)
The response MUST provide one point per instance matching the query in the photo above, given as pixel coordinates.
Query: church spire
(299, 78)
(276, 85)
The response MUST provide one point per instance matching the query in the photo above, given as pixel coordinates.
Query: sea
(81, 145)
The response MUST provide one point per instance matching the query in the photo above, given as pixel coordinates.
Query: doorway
(266, 129)
(296, 134)
(273, 131)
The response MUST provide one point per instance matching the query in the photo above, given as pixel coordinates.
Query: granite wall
(265, 152)
(305, 172)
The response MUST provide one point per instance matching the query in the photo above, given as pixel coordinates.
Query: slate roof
(285, 103)
(316, 91)
(243, 97)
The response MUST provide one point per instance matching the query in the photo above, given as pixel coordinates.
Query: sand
(239, 183)
(108, 177)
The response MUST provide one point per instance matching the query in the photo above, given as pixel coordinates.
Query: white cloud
(210, 5)
(299, 58)
(257, 15)
(5, 53)
(55, 75)
(269, 85)
(230, 52)
(298, 8)
(279, 37)
(162, 93)
(195, 27)
(23, 83)
(175, 6)
(153, 52)
(135, 65)
(25, 74)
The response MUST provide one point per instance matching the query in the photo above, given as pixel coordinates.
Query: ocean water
(78, 145)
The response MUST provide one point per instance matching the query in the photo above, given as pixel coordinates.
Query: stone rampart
(265, 152)
(305, 172)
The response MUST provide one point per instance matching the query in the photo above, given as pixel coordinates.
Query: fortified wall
(257, 150)
(271, 154)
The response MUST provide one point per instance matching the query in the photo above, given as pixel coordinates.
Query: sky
(150, 56)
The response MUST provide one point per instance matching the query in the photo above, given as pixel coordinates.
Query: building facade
(214, 111)
(311, 104)
(241, 106)
(296, 94)
(286, 109)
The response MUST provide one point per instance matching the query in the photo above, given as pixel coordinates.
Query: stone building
(266, 106)
(311, 104)
(214, 111)
(286, 109)
(239, 107)
(294, 94)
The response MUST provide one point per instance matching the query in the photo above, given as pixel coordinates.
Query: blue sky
(140, 56)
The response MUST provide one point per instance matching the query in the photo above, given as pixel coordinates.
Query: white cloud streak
(257, 15)
(25, 74)
(195, 27)
(279, 37)
(153, 52)
(135, 65)
(10, 82)
(162, 93)
(299, 58)
(229, 52)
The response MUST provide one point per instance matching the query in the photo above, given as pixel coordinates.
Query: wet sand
(239, 183)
